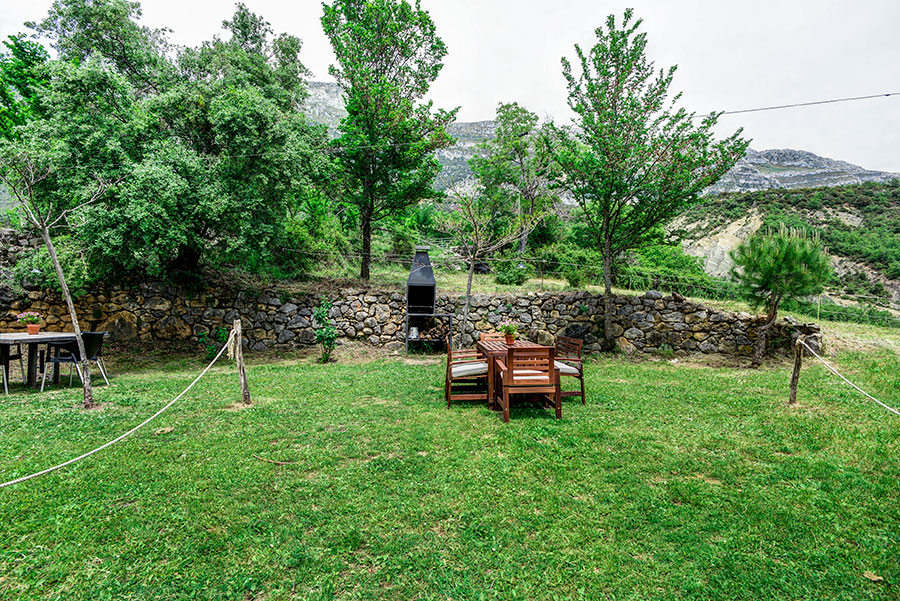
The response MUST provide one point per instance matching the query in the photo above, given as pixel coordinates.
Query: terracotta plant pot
(33, 328)
(510, 339)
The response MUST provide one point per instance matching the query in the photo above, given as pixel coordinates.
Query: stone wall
(272, 319)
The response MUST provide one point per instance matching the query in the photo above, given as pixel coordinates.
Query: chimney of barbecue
(420, 287)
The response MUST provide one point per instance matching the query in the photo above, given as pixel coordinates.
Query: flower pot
(33, 328)
(510, 339)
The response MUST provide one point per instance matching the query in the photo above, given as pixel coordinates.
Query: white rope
(838, 374)
(132, 431)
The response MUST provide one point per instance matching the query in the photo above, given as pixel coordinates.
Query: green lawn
(673, 482)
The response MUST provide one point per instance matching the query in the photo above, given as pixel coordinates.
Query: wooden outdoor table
(497, 349)
(32, 340)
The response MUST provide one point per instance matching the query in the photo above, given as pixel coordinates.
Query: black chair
(68, 353)
(4, 368)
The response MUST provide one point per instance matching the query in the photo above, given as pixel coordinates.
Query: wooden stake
(239, 358)
(798, 362)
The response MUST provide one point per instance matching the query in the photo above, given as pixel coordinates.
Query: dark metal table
(32, 340)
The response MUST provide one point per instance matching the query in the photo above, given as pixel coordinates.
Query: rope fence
(841, 376)
(130, 432)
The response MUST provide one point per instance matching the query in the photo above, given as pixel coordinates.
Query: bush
(326, 333)
(512, 272)
(578, 265)
(36, 269)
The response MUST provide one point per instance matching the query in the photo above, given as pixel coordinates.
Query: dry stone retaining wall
(649, 323)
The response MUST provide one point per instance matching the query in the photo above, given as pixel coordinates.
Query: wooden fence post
(798, 362)
(239, 358)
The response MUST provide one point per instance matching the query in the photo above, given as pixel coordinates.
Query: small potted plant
(509, 329)
(32, 321)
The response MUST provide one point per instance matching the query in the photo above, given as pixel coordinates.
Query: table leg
(55, 368)
(4, 359)
(32, 363)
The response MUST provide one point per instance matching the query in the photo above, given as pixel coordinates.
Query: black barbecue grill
(420, 297)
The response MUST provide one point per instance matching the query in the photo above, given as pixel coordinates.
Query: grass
(675, 481)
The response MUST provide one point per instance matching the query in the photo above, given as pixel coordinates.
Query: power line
(799, 104)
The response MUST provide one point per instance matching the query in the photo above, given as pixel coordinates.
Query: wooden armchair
(529, 371)
(466, 378)
(569, 363)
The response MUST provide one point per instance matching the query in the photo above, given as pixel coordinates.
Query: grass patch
(673, 482)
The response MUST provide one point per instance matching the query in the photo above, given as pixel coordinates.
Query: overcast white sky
(731, 55)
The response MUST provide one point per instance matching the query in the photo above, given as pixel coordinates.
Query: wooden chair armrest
(501, 365)
(463, 362)
(574, 359)
(466, 353)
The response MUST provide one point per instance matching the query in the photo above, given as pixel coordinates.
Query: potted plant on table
(509, 329)
(32, 321)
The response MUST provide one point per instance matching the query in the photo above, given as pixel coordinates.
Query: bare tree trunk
(609, 341)
(465, 318)
(365, 216)
(759, 348)
(85, 366)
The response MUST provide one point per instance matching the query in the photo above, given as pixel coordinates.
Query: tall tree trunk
(609, 341)
(365, 217)
(465, 318)
(85, 369)
(527, 211)
(759, 348)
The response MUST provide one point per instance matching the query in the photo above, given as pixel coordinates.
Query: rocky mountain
(789, 169)
(758, 170)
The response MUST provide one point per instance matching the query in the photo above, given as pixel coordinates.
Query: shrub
(212, 342)
(512, 272)
(326, 333)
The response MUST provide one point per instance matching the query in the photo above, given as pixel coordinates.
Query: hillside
(859, 223)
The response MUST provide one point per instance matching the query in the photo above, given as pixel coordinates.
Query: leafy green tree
(28, 163)
(772, 267)
(388, 55)
(21, 78)
(513, 163)
(220, 151)
(633, 161)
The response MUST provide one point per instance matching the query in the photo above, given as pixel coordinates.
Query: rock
(653, 294)
(633, 334)
(121, 326)
(172, 328)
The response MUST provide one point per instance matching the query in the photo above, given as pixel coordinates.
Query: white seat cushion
(469, 369)
(565, 368)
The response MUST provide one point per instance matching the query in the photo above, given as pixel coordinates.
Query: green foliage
(212, 341)
(511, 271)
(388, 55)
(36, 269)
(21, 79)
(510, 167)
(217, 154)
(326, 333)
(666, 267)
(578, 265)
(774, 266)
